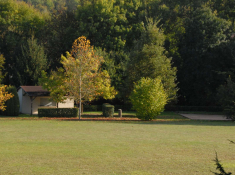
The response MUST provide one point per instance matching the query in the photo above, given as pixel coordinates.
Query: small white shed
(33, 97)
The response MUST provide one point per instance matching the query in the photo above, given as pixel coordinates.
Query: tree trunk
(80, 98)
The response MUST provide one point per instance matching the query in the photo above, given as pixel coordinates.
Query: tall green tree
(116, 65)
(111, 25)
(32, 62)
(148, 59)
(224, 54)
(58, 34)
(18, 22)
(204, 31)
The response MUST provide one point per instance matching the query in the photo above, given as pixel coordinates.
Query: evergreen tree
(148, 59)
(33, 61)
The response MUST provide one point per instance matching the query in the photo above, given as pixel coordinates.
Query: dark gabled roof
(35, 91)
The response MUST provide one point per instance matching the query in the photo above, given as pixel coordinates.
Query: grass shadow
(166, 118)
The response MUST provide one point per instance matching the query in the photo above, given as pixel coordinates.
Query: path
(205, 117)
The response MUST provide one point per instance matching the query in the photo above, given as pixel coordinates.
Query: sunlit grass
(91, 147)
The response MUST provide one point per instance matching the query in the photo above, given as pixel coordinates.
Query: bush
(148, 98)
(226, 98)
(13, 104)
(103, 108)
(58, 112)
(108, 110)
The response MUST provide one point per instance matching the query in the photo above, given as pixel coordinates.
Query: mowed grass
(112, 147)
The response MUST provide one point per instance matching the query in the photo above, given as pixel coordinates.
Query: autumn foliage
(83, 73)
(85, 80)
(4, 96)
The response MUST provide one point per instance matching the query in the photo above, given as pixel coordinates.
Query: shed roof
(35, 91)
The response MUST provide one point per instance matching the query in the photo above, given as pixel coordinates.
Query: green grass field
(112, 147)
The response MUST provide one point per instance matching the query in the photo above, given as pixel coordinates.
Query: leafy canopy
(54, 83)
(148, 98)
(84, 78)
(148, 59)
(32, 62)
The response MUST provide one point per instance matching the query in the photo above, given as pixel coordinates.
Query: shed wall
(68, 103)
(25, 103)
(20, 94)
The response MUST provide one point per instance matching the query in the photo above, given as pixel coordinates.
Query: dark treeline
(189, 44)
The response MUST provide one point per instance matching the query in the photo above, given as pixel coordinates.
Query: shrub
(219, 166)
(226, 98)
(103, 107)
(108, 110)
(148, 98)
(13, 104)
(58, 112)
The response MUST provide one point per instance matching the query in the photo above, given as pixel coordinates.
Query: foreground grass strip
(90, 147)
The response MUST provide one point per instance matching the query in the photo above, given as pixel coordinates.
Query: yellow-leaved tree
(4, 95)
(85, 80)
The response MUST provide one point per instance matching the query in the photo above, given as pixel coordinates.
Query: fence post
(120, 113)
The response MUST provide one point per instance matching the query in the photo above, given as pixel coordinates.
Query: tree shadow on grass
(131, 119)
(182, 122)
(160, 121)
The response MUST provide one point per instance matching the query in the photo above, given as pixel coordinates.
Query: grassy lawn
(112, 147)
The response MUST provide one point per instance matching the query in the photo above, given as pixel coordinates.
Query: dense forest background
(189, 44)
